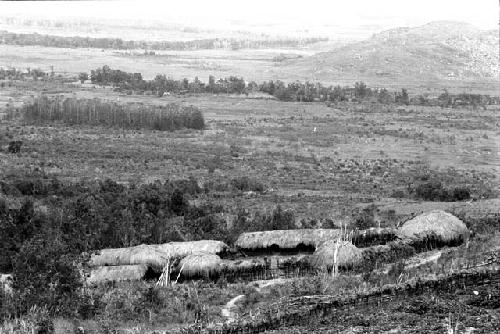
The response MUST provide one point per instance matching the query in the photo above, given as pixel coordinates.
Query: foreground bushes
(97, 112)
(36, 320)
(46, 273)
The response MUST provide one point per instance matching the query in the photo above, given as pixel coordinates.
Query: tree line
(120, 44)
(293, 91)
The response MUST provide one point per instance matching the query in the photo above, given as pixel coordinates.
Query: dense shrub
(45, 273)
(364, 218)
(15, 146)
(280, 220)
(15, 228)
(178, 202)
(36, 320)
(245, 183)
(95, 215)
(460, 193)
(434, 191)
(431, 191)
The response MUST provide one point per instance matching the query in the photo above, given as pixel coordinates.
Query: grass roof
(200, 264)
(437, 223)
(155, 255)
(348, 255)
(286, 239)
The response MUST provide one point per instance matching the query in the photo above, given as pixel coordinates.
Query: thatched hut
(156, 256)
(434, 224)
(200, 265)
(182, 249)
(347, 255)
(143, 254)
(301, 240)
(117, 273)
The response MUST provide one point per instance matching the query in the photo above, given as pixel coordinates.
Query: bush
(461, 193)
(15, 228)
(279, 219)
(37, 320)
(245, 183)
(365, 218)
(434, 191)
(431, 191)
(46, 274)
(15, 146)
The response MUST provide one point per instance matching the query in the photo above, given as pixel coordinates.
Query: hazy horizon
(356, 19)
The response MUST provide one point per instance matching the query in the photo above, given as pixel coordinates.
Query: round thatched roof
(439, 223)
(199, 264)
(348, 255)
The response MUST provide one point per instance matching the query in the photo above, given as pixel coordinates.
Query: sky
(324, 15)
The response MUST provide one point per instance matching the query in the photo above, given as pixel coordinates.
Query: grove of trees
(98, 112)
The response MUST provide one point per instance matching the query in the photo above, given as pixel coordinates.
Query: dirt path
(228, 310)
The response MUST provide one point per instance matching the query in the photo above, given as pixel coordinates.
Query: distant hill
(436, 51)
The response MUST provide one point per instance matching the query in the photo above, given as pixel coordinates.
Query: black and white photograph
(237, 167)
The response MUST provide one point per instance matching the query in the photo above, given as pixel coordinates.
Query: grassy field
(312, 158)
(255, 65)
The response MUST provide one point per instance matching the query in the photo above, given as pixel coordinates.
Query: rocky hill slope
(436, 51)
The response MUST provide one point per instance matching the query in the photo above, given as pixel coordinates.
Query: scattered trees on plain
(293, 91)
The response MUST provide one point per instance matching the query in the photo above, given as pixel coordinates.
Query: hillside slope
(436, 51)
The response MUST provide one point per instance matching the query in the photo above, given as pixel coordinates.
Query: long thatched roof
(348, 255)
(117, 273)
(202, 264)
(438, 223)
(286, 239)
(182, 249)
(155, 255)
(142, 254)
